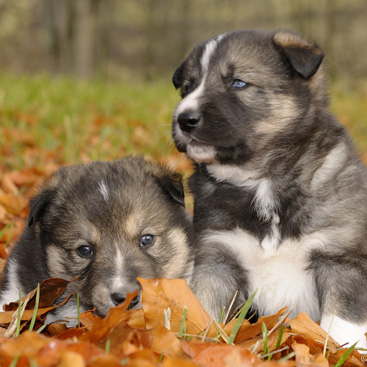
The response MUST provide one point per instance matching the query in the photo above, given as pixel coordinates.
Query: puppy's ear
(171, 183)
(304, 57)
(39, 205)
(177, 78)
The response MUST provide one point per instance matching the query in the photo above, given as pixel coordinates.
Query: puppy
(280, 195)
(106, 223)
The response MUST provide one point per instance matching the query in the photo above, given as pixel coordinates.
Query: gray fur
(279, 190)
(108, 206)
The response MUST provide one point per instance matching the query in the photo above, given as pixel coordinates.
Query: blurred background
(84, 80)
(146, 39)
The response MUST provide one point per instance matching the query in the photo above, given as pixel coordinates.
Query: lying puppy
(107, 223)
(280, 195)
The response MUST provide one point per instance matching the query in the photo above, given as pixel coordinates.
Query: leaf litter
(155, 335)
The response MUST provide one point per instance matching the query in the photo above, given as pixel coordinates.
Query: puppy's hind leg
(216, 278)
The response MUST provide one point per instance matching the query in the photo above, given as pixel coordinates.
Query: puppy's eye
(147, 240)
(186, 89)
(85, 251)
(239, 84)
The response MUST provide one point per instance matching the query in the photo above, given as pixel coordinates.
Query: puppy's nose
(188, 120)
(118, 298)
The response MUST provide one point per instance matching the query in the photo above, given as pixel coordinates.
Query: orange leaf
(50, 290)
(166, 343)
(304, 326)
(304, 358)
(13, 204)
(218, 355)
(173, 294)
(28, 344)
(176, 362)
(102, 327)
(105, 360)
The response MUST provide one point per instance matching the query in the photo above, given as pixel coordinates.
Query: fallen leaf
(219, 355)
(304, 358)
(243, 357)
(303, 325)
(174, 294)
(102, 327)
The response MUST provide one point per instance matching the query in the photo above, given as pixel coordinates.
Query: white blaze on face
(118, 280)
(191, 101)
(200, 153)
(103, 189)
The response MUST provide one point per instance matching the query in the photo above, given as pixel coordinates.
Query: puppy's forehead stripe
(190, 103)
(103, 189)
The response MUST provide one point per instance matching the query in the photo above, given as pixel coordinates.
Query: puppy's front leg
(342, 299)
(344, 331)
(216, 278)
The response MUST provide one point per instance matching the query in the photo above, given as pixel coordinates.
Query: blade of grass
(264, 331)
(15, 360)
(288, 356)
(183, 322)
(11, 227)
(222, 333)
(38, 331)
(206, 331)
(221, 321)
(345, 356)
(32, 363)
(107, 346)
(275, 351)
(34, 316)
(78, 308)
(240, 318)
(17, 331)
(280, 336)
(230, 307)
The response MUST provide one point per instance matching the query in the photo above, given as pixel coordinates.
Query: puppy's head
(242, 90)
(109, 223)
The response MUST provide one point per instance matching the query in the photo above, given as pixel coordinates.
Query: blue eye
(147, 240)
(239, 84)
(85, 251)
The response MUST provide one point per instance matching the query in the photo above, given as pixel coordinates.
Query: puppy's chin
(201, 153)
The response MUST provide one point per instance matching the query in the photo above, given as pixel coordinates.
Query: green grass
(67, 121)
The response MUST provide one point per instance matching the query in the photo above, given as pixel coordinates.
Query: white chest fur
(280, 275)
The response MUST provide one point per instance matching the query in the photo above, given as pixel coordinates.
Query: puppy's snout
(188, 120)
(118, 298)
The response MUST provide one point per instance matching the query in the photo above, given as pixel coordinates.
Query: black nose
(188, 120)
(118, 298)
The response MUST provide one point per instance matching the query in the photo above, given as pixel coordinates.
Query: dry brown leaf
(174, 294)
(304, 326)
(176, 362)
(6, 317)
(304, 358)
(243, 357)
(105, 360)
(166, 343)
(102, 327)
(13, 204)
(28, 344)
(250, 332)
(219, 355)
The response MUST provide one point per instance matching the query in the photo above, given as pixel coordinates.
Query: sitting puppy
(107, 223)
(280, 195)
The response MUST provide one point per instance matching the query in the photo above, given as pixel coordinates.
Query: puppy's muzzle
(118, 298)
(188, 121)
